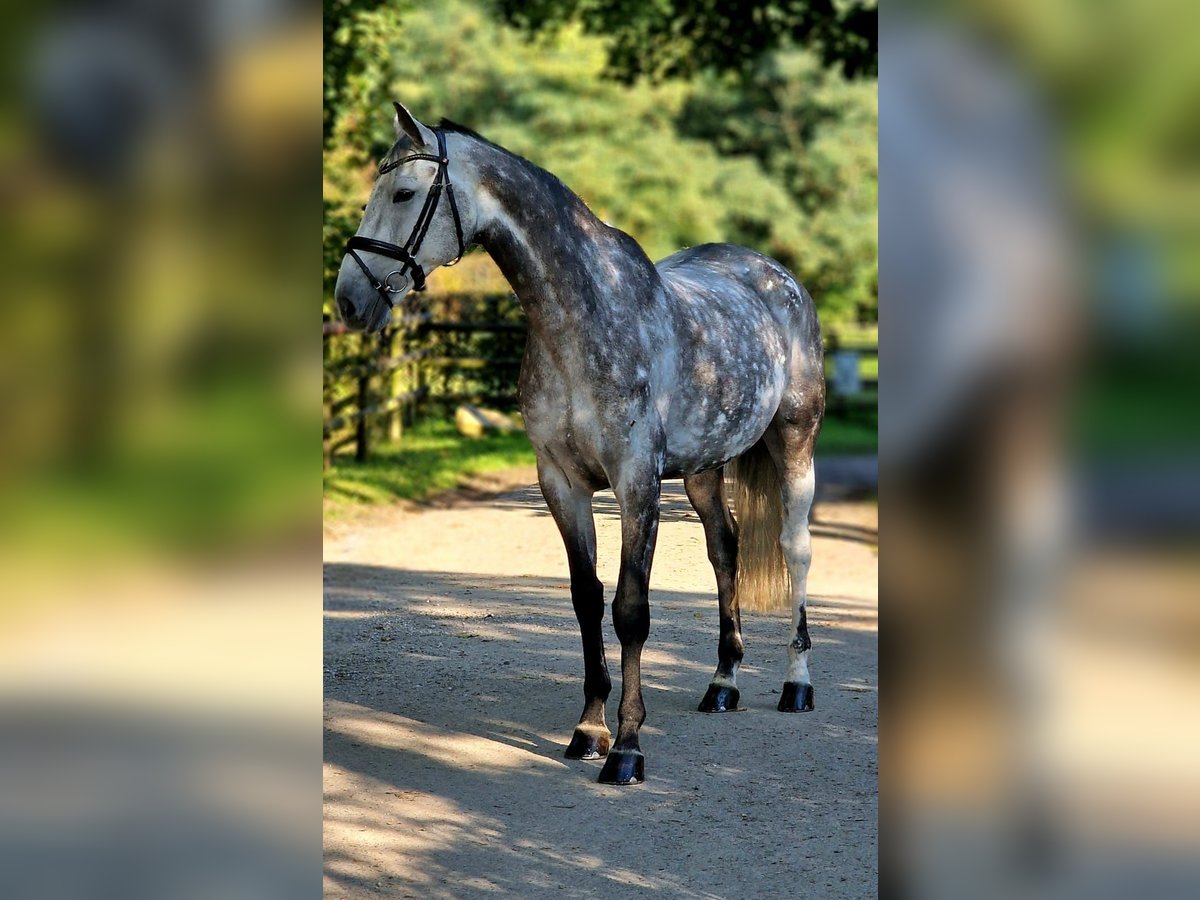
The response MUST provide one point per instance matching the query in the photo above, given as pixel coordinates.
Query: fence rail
(468, 348)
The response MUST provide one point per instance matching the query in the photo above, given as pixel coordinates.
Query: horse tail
(762, 583)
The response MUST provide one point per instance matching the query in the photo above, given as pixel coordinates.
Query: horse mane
(448, 125)
(455, 128)
(404, 144)
(545, 175)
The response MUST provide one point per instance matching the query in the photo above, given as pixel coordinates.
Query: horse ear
(407, 124)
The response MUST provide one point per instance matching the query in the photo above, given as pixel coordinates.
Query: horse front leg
(571, 506)
(638, 498)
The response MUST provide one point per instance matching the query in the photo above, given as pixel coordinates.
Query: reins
(406, 255)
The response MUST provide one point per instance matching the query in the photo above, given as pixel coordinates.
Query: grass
(433, 457)
(1134, 403)
(849, 432)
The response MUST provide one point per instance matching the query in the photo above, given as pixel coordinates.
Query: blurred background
(1038, 435)
(158, 685)
(159, 503)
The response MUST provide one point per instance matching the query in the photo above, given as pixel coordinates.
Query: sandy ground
(453, 678)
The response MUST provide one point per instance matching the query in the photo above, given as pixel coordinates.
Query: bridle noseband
(406, 255)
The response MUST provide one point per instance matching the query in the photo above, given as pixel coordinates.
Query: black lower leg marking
(798, 696)
(707, 494)
(591, 738)
(572, 513)
(631, 619)
(800, 641)
(625, 763)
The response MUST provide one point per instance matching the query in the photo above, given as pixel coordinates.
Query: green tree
(673, 38)
(338, 17)
(814, 133)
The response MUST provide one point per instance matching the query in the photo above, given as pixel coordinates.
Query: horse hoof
(796, 697)
(588, 745)
(623, 767)
(720, 698)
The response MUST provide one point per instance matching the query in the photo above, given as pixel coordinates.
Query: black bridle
(406, 255)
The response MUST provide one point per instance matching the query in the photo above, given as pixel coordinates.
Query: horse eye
(401, 196)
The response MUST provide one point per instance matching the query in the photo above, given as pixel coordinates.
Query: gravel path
(453, 678)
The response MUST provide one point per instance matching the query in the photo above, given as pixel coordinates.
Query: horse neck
(547, 243)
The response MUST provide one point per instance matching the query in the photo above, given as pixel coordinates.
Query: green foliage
(673, 38)
(815, 134)
(783, 161)
(849, 431)
(339, 48)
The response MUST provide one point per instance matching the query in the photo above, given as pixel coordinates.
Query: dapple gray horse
(633, 372)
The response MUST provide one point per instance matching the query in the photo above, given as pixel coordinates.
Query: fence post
(326, 404)
(392, 348)
(416, 388)
(326, 437)
(361, 430)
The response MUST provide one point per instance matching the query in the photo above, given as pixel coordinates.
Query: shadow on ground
(675, 507)
(449, 701)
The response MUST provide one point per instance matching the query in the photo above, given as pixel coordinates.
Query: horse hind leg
(792, 449)
(706, 491)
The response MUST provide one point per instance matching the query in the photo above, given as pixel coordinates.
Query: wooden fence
(465, 348)
(376, 385)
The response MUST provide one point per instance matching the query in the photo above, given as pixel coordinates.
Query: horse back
(748, 347)
(736, 281)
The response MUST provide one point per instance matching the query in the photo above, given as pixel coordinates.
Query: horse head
(412, 224)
